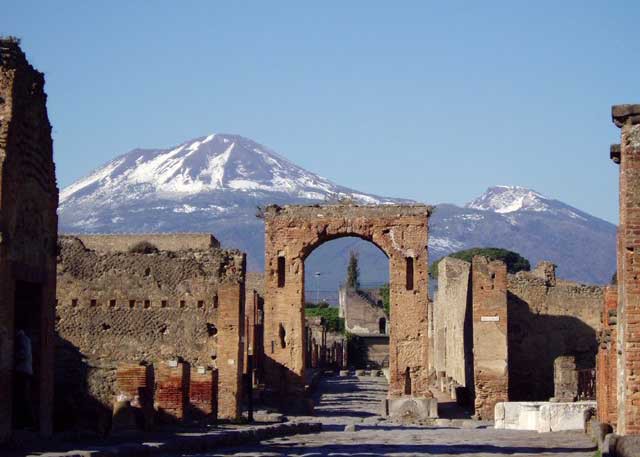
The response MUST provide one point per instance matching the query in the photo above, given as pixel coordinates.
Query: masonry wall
(293, 232)
(119, 307)
(490, 323)
(606, 362)
(163, 241)
(627, 117)
(548, 318)
(362, 316)
(28, 203)
(452, 320)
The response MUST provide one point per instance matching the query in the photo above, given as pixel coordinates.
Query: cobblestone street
(356, 403)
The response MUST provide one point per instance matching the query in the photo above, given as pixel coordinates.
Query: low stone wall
(163, 241)
(542, 416)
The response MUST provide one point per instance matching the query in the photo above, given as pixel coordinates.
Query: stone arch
(400, 231)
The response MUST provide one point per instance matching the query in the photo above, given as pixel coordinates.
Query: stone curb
(193, 443)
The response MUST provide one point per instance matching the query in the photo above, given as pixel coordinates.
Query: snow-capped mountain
(227, 163)
(214, 184)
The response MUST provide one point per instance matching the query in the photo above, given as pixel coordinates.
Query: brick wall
(116, 308)
(606, 363)
(203, 392)
(548, 318)
(28, 204)
(170, 391)
(627, 117)
(491, 376)
(293, 232)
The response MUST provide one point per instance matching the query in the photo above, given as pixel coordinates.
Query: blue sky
(433, 101)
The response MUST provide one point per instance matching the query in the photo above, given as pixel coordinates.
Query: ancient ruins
(28, 203)
(128, 332)
(292, 233)
(516, 327)
(172, 307)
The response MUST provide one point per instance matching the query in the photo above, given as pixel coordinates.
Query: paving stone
(345, 400)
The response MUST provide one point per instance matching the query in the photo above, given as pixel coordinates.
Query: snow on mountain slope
(222, 162)
(214, 184)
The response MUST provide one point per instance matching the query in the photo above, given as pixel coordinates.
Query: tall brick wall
(627, 117)
(548, 318)
(606, 362)
(28, 203)
(490, 322)
(163, 241)
(118, 308)
(293, 232)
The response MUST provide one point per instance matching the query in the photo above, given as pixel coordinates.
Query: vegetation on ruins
(144, 247)
(330, 315)
(514, 261)
(353, 271)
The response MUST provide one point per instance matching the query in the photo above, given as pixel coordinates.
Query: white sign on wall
(489, 318)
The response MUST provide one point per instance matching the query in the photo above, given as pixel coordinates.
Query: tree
(386, 300)
(515, 262)
(353, 272)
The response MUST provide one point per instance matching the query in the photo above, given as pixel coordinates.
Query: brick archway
(292, 233)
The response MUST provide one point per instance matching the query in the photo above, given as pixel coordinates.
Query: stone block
(411, 409)
(344, 373)
(557, 417)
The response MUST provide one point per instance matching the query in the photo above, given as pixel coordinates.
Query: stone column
(490, 370)
(230, 350)
(627, 117)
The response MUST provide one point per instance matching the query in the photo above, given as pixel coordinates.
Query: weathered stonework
(293, 232)
(606, 362)
(548, 318)
(122, 307)
(28, 232)
(490, 323)
(453, 346)
(627, 117)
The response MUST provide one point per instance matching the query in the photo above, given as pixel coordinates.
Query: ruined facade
(180, 313)
(490, 323)
(606, 362)
(364, 316)
(549, 318)
(546, 318)
(627, 155)
(293, 232)
(28, 202)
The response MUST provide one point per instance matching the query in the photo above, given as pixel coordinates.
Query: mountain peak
(209, 164)
(508, 199)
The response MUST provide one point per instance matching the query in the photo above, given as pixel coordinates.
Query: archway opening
(346, 284)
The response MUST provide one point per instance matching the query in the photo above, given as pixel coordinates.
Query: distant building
(364, 316)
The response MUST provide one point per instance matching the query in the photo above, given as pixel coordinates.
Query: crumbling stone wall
(627, 118)
(452, 316)
(490, 323)
(121, 307)
(548, 318)
(606, 362)
(28, 231)
(162, 241)
(293, 232)
(362, 315)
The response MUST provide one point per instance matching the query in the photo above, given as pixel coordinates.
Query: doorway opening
(27, 355)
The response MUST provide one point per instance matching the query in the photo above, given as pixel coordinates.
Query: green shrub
(330, 316)
(515, 262)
